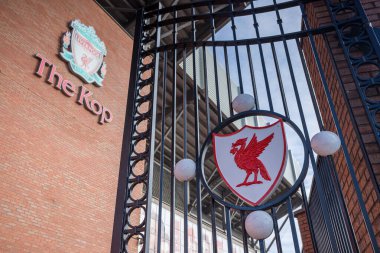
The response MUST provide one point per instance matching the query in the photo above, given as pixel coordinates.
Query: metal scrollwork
(136, 206)
(363, 52)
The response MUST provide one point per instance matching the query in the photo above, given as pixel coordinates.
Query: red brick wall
(371, 8)
(58, 166)
(318, 15)
(307, 246)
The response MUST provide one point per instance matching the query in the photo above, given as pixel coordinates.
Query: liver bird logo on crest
(247, 158)
(252, 160)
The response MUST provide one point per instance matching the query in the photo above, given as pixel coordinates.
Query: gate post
(124, 173)
(136, 166)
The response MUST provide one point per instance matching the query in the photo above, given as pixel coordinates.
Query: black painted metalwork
(362, 50)
(181, 89)
(343, 231)
(361, 38)
(350, 166)
(137, 163)
(124, 173)
(228, 122)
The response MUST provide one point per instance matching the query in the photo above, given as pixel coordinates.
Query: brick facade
(318, 16)
(59, 167)
(304, 231)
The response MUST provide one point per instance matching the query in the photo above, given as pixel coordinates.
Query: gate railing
(171, 116)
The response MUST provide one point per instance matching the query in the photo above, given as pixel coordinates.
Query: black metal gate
(189, 62)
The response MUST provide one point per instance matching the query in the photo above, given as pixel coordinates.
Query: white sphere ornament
(243, 102)
(184, 170)
(325, 143)
(259, 225)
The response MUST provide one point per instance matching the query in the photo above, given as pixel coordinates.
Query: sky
(268, 26)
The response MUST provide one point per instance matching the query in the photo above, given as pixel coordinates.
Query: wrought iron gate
(185, 73)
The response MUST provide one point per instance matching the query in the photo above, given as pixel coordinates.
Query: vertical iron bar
(173, 139)
(321, 127)
(308, 216)
(278, 242)
(339, 193)
(310, 87)
(152, 137)
(279, 78)
(252, 72)
(212, 24)
(276, 231)
(293, 226)
(159, 220)
(343, 232)
(327, 187)
(256, 25)
(228, 228)
(340, 134)
(262, 246)
(227, 66)
(245, 238)
(186, 184)
(186, 214)
(233, 27)
(206, 88)
(213, 227)
(196, 126)
(184, 104)
(122, 188)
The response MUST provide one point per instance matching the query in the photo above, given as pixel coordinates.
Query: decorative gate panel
(190, 62)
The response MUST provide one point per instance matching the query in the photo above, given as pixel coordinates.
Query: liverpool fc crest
(252, 160)
(84, 52)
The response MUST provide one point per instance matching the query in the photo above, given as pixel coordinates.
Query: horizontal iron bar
(112, 8)
(151, 12)
(268, 39)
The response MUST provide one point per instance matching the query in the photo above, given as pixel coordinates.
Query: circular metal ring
(341, 13)
(131, 236)
(136, 163)
(274, 202)
(363, 64)
(352, 30)
(363, 46)
(367, 92)
(140, 181)
(143, 129)
(129, 217)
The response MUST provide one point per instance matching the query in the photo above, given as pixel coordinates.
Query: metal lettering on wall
(84, 52)
(70, 89)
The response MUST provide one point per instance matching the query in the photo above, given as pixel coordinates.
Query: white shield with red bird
(252, 160)
(85, 54)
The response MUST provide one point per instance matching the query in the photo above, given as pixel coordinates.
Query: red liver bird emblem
(86, 61)
(247, 158)
(252, 160)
